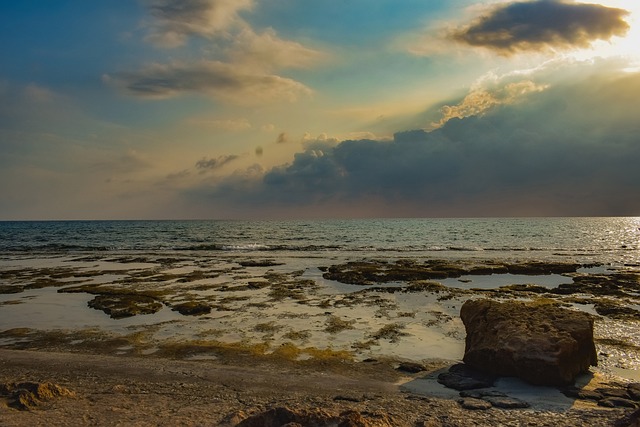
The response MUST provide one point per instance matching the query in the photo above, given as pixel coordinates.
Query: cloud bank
(238, 64)
(562, 152)
(543, 25)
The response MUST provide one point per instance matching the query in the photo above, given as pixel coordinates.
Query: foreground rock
(541, 344)
(29, 395)
(282, 416)
(463, 377)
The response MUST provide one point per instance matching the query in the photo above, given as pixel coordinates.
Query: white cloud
(482, 98)
(268, 51)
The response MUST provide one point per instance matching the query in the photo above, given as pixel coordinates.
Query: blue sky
(284, 109)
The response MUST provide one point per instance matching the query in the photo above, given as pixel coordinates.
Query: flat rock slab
(495, 398)
(463, 377)
(539, 398)
(506, 402)
(474, 404)
(634, 391)
(617, 402)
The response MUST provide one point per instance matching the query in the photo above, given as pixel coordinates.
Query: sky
(278, 109)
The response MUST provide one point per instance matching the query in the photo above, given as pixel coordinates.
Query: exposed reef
(125, 305)
(376, 271)
(192, 308)
(120, 302)
(613, 294)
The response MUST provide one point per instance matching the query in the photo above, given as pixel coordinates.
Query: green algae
(22, 279)
(243, 352)
(260, 263)
(192, 308)
(267, 328)
(297, 335)
(11, 289)
(391, 332)
(335, 324)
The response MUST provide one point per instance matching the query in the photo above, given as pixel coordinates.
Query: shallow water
(149, 255)
(495, 281)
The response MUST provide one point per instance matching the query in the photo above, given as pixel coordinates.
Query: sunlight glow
(628, 46)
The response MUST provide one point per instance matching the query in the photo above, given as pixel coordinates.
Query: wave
(258, 247)
(56, 247)
(262, 247)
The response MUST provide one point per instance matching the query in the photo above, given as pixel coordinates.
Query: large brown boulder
(542, 344)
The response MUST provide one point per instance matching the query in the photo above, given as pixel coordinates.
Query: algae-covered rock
(120, 306)
(192, 308)
(536, 268)
(260, 263)
(615, 310)
(11, 289)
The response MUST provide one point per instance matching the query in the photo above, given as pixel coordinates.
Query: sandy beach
(148, 391)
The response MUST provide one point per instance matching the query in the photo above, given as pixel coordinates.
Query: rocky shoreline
(228, 341)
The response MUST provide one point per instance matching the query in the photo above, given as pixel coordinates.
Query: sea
(611, 240)
(263, 285)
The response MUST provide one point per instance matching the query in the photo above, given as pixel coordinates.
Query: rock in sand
(541, 344)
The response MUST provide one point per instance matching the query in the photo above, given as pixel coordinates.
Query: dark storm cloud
(543, 24)
(570, 150)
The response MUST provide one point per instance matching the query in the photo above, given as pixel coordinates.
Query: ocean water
(602, 240)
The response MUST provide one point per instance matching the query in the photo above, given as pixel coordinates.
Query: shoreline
(203, 340)
(112, 390)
